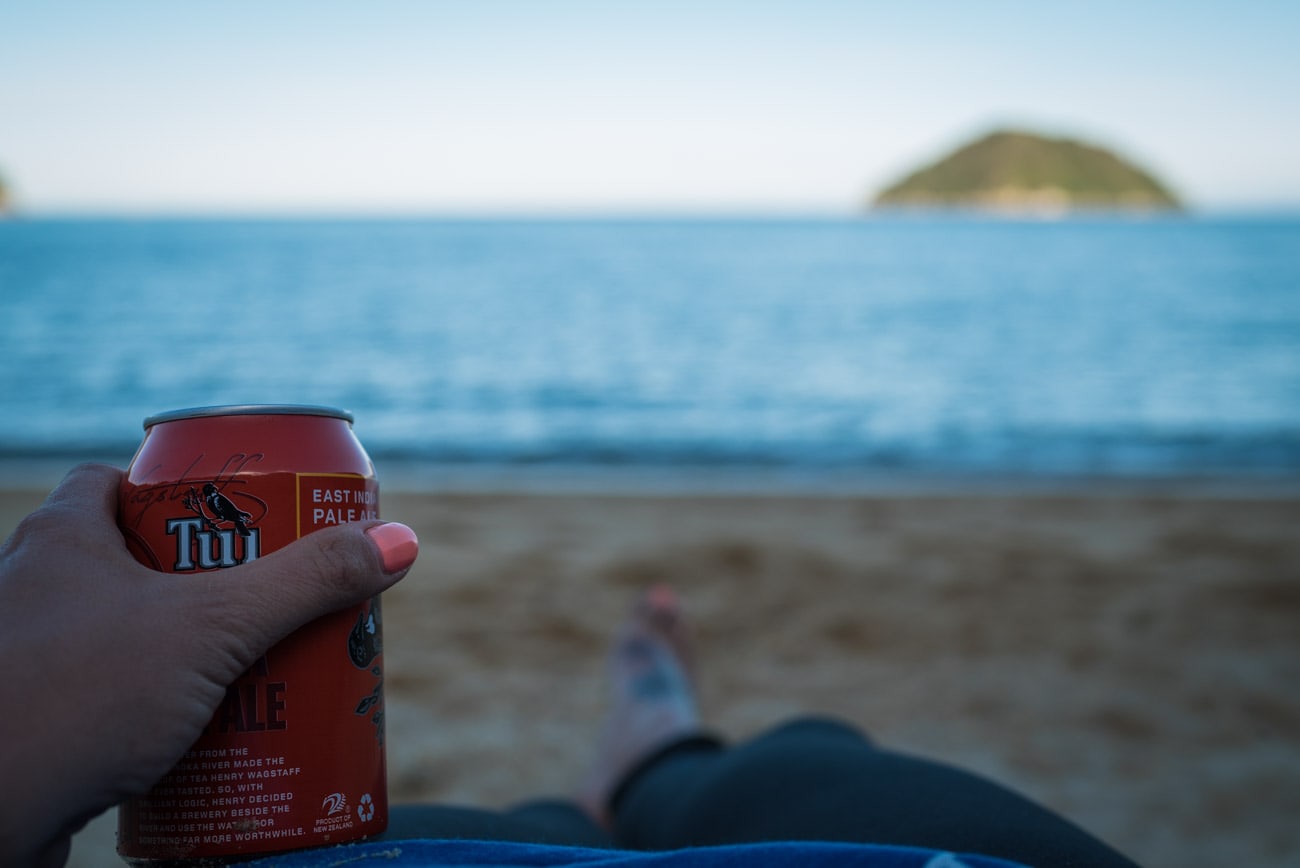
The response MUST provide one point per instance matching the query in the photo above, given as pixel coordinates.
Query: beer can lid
(248, 410)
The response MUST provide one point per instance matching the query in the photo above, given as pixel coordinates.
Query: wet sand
(1129, 657)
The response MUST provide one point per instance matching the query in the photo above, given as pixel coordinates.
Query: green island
(1017, 172)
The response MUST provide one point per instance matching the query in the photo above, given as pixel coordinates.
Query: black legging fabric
(813, 780)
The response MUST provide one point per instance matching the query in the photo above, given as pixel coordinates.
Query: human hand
(112, 669)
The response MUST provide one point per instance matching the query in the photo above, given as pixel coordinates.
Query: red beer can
(294, 756)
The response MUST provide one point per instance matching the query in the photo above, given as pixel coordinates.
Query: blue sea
(818, 348)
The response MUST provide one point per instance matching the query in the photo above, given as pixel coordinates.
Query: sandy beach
(1126, 655)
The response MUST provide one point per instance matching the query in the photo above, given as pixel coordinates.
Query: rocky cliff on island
(1012, 171)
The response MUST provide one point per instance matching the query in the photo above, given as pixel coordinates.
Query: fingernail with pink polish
(397, 545)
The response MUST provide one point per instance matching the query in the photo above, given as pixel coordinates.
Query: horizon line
(578, 213)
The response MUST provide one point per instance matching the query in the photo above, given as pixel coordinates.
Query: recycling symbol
(366, 808)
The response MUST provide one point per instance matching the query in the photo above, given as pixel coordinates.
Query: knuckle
(49, 525)
(337, 561)
(106, 472)
(77, 515)
(222, 615)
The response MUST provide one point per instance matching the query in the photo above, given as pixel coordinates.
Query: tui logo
(222, 509)
(217, 535)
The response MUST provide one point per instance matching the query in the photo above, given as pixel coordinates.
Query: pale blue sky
(491, 106)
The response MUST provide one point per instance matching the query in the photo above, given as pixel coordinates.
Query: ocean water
(1097, 347)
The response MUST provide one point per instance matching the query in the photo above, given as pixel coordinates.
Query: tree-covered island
(1020, 172)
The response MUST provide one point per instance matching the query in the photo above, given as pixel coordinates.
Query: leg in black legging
(822, 780)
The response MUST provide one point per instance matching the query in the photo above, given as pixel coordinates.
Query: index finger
(83, 504)
(89, 486)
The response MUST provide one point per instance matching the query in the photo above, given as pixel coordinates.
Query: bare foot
(653, 698)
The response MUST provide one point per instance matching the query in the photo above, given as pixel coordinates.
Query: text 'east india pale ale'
(294, 756)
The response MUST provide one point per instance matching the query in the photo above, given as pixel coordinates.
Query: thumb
(261, 602)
